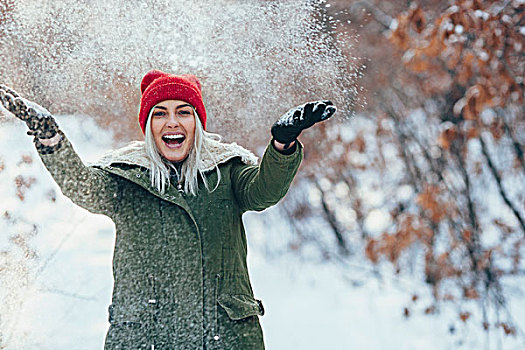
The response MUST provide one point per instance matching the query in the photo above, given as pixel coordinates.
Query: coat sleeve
(90, 188)
(259, 187)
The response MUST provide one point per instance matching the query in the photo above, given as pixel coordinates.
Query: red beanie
(158, 86)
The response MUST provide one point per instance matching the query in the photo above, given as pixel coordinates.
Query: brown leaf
(497, 129)
(359, 143)
(400, 36)
(26, 159)
(22, 184)
(430, 310)
(473, 132)
(428, 200)
(446, 137)
(435, 45)
(471, 293)
(419, 64)
(417, 19)
(464, 316)
(467, 235)
(371, 251)
(508, 329)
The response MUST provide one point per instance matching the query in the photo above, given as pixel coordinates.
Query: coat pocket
(127, 329)
(235, 296)
(239, 306)
(236, 314)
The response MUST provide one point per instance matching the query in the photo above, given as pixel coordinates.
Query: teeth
(173, 137)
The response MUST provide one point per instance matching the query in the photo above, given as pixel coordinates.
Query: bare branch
(517, 146)
(330, 217)
(497, 177)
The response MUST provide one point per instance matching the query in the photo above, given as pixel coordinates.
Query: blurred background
(405, 225)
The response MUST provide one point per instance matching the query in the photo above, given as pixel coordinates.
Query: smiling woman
(179, 265)
(172, 124)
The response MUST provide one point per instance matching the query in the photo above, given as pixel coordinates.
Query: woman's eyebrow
(184, 105)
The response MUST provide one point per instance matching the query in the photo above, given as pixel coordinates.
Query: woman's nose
(173, 120)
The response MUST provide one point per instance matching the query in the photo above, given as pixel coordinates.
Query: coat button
(216, 337)
(138, 175)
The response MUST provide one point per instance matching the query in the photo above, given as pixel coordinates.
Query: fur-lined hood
(135, 154)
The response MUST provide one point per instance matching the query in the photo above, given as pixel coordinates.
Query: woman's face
(173, 129)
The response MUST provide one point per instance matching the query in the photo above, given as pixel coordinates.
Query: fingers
(19, 106)
(328, 112)
(12, 101)
(297, 114)
(320, 106)
(7, 100)
(322, 110)
(309, 108)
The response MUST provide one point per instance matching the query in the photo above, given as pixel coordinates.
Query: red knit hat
(158, 86)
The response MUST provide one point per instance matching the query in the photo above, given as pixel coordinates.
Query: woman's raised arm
(90, 188)
(259, 187)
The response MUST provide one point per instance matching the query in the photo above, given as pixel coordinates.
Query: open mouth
(173, 140)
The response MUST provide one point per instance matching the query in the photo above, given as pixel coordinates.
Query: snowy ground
(58, 299)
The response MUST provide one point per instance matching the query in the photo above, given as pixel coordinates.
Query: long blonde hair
(191, 167)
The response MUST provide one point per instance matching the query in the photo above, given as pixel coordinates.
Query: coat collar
(135, 154)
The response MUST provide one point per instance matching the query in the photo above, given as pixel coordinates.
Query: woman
(179, 265)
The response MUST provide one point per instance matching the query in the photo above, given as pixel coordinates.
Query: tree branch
(497, 177)
(330, 217)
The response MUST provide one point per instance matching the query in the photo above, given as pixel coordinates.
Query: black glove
(40, 122)
(289, 126)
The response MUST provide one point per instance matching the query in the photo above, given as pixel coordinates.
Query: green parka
(179, 265)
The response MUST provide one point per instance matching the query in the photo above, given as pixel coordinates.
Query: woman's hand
(289, 126)
(40, 122)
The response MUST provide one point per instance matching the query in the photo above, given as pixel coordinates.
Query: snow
(243, 53)
(482, 14)
(394, 24)
(458, 29)
(404, 193)
(377, 221)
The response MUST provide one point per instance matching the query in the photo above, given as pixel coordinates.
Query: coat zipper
(153, 303)
(216, 336)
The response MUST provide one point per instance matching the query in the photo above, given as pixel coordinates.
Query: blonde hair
(191, 167)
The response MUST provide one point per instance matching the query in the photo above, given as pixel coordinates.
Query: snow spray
(255, 59)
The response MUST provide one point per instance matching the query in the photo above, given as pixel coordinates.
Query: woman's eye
(185, 112)
(158, 114)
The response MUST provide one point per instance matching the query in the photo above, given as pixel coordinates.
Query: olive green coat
(179, 265)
